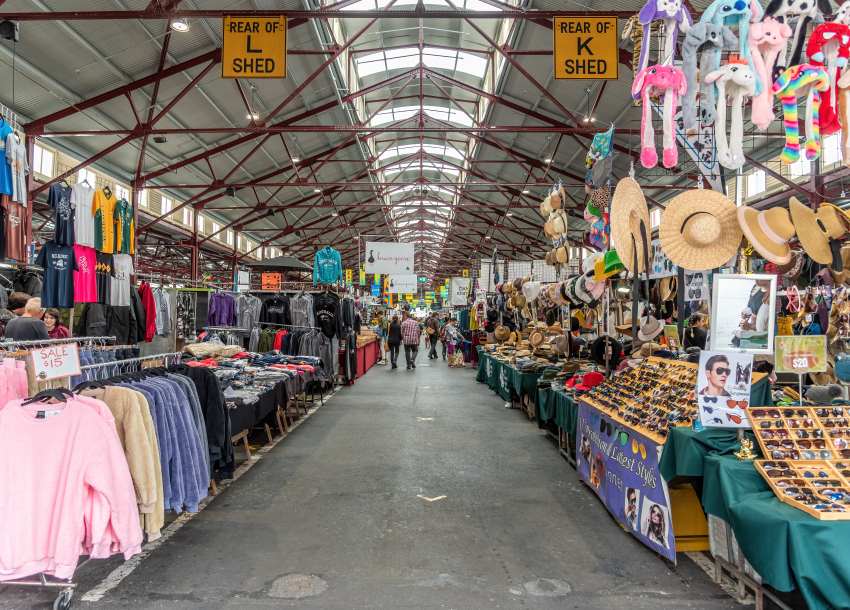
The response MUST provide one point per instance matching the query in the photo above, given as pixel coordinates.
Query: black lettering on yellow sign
(585, 47)
(253, 47)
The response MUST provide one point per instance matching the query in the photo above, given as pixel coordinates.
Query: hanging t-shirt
(85, 278)
(16, 155)
(326, 306)
(103, 208)
(103, 274)
(125, 229)
(122, 269)
(6, 187)
(81, 199)
(14, 230)
(59, 198)
(59, 265)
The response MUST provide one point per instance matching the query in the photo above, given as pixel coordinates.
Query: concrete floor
(333, 512)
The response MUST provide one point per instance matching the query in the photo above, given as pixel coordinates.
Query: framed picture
(743, 311)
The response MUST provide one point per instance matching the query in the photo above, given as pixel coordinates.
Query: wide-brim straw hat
(559, 222)
(556, 199)
(816, 230)
(562, 255)
(628, 211)
(502, 333)
(536, 338)
(699, 230)
(769, 232)
(842, 277)
(650, 328)
(546, 207)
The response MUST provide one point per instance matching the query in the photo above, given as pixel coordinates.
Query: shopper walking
(410, 333)
(432, 332)
(394, 340)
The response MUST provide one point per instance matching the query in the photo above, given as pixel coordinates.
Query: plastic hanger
(60, 394)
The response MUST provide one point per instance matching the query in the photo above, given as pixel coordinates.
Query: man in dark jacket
(432, 333)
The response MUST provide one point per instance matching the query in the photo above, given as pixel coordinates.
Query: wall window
(143, 198)
(831, 149)
(755, 183)
(187, 216)
(167, 205)
(215, 229)
(802, 167)
(655, 218)
(122, 192)
(42, 161)
(228, 237)
(86, 175)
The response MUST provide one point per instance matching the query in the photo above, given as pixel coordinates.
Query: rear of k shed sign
(253, 47)
(585, 47)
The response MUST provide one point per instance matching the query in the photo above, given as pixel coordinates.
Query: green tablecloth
(557, 407)
(506, 380)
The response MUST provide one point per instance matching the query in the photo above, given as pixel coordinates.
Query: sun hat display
(699, 230)
(818, 231)
(559, 222)
(562, 255)
(650, 328)
(546, 207)
(502, 333)
(536, 338)
(628, 213)
(530, 290)
(769, 232)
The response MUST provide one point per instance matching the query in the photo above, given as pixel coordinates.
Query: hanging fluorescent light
(547, 160)
(296, 160)
(509, 214)
(487, 237)
(317, 190)
(525, 191)
(180, 24)
(334, 214)
(253, 116)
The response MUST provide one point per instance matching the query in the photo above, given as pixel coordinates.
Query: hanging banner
(253, 47)
(348, 275)
(376, 290)
(621, 467)
(402, 284)
(362, 278)
(459, 291)
(392, 258)
(585, 48)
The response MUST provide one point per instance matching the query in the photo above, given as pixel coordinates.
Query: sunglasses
(734, 418)
(742, 404)
(722, 370)
(709, 399)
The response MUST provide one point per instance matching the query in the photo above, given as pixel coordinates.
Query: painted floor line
(114, 578)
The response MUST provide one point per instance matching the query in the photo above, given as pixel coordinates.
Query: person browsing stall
(28, 327)
(53, 322)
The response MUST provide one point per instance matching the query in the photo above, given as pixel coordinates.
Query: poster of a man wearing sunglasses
(723, 388)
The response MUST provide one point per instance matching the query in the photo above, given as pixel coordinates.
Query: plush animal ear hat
(705, 37)
(675, 15)
(668, 82)
(735, 80)
(769, 232)
(767, 39)
(829, 47)
(811, 81)
(819, 232)
(699, 230)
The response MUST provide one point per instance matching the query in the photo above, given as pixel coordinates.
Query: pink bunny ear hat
(670, 81)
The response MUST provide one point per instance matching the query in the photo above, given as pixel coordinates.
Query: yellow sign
(362, 278)
(585, 47)
(377, 278)
(348, 275)
(253, 47)
(466, 273)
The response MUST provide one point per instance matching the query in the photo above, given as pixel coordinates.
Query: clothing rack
(234, 329)
(139, 359)
(285, 325)
(37, 342)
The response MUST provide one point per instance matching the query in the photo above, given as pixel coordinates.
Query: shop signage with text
(585, 48)
(253, 47)
(801, 354)
(56, 361)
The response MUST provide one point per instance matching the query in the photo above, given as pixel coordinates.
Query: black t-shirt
(59, 264)
(25, 329)
(59, 198)
(103, 272)
(326, 308)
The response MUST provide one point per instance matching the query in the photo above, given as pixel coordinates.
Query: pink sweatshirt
(66, 486)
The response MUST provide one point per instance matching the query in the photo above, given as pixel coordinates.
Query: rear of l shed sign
(585, 47)
(253, 47)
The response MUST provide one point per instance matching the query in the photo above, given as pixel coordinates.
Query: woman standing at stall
(55, 328)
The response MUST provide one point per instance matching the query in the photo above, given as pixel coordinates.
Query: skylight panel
(439, 58)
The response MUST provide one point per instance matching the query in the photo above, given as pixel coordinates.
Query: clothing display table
(367, 356)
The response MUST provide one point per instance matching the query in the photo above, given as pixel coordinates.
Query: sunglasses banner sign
(621, 466)
(724, 380)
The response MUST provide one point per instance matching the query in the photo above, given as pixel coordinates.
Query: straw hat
(667, 287)
(519, 300)
(769, 232)
(628, 211)
(546, 207)
(554, 328)
(646, 350)
(816, 230)
(547, 229)
(536, 338)
(562, 255)
(842, 277)
(650, 328)
(502, 333)
(559, 222)
(556, 199)
(699, 230)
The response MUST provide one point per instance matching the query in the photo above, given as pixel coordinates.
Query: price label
(801, 354)
(55, 361)
(800, 363)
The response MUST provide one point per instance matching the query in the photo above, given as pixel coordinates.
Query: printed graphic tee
(85, 278)
(103, 208)
(59, 199)
(59, 265)
(124, 227)
(81, 198)
(103, 274)
(122, 269)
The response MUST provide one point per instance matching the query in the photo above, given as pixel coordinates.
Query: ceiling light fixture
(509, 214)
(334, 214)
(487, 237)
(296, 160)
(547, 160)
(253, 116)
(180, 24)
(317, 190)
(525, 191)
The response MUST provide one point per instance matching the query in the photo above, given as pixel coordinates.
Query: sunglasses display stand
(808, 451)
